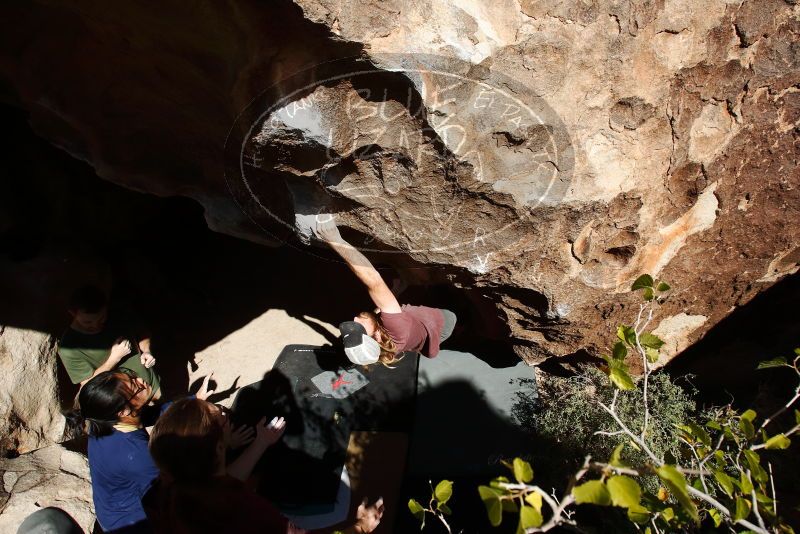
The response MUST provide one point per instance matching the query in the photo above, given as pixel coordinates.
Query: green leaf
(443, 491)
(797, 416)
(534, 499)
(592, 492)
(729, 434)
(638, 514)
(714, 425)
(509, 505)
(715, 516)
(742, 509)
(700, 433)
(755, 466)
(618, 373)
(648, 294)
(619, 351)
(651, 340)
(775, 362)
(523, 471)
(676, 483)
(651, 354)
(778, 442)
(627, 334)
(746, 426)
(746, 484)
(750, 415)
(621, 329)
(416, 509)
(616, 456)
(630, 336)
(643, 281)
(725, 482)
(444, 509)
(663, 286)
(760, 497)
(491, 500)
(625, 492)
(530, 517)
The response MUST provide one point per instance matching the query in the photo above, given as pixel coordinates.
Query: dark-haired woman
(196, 493)
(119, 461)
(396, 328)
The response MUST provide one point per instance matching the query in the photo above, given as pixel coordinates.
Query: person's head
(88, 307)
(112, 397)
(50, 520)
(375, 329)
(187, 442)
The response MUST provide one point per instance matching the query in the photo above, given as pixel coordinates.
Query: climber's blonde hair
(388, 346)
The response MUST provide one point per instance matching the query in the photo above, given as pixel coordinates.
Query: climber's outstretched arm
(379, 292)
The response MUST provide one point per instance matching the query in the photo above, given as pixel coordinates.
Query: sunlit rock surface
(52, 476)
(542, 153)
(30, 415)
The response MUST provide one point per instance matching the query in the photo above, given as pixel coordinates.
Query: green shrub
(567, 413)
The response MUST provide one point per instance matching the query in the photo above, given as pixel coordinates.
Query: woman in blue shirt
(119, 461)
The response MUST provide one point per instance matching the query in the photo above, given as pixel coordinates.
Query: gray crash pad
(464, 423)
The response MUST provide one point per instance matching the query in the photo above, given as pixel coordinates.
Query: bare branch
(721, 507)
(655, 526)
(604, 433)
(638, 440)
(791, 431)
(621, 470)
(788, 405)
(525, 489)
(646, 365)
(702, 475)
(710, 454)
(444, 522)
(755, 505)
(566, 501)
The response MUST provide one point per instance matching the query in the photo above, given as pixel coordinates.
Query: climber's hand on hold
(326, 229)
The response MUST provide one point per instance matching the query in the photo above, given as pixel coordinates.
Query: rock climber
(385, 334)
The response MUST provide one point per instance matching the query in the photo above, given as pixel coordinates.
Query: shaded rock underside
(540, 154)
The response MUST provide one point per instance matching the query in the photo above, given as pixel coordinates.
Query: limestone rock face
(30, 415)
(52, 476)
(540, 154)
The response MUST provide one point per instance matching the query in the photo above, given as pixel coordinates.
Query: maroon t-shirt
(415, 328)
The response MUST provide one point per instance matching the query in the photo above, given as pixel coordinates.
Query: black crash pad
(323, 397)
